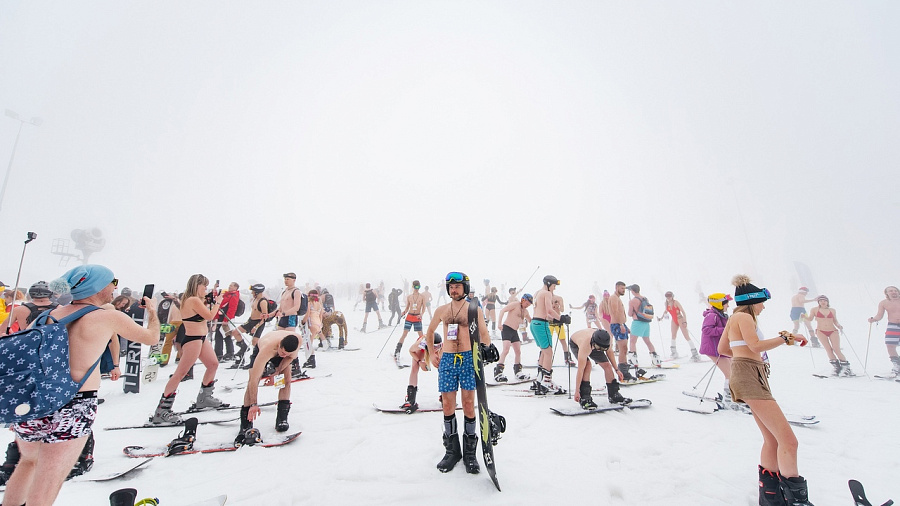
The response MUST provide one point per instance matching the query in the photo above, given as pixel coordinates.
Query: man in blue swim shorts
(457, 371)
(540, 329)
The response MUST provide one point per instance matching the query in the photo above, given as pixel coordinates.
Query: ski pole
(709, 372)
(387, 340)
(569, 364)
(662, 343)
(854, 351)
(31, 236)
(529, 279)
(868, 341)
(710, 377)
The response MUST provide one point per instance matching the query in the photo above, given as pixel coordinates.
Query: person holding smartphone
(195, 315)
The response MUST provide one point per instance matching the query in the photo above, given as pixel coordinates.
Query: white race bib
(452, 330)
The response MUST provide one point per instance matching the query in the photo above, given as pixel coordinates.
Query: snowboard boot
(517, 370)
(895, 369)
(499, 377)
(453, 453)
(626, 372)
(410, 405)
(795, 491)
(673, 352)
(837, 367)
(246, 425)
(612, 390)
(341, 343)
(85, 460)
(470, 444)
(633, 358)
(587, 402)
(164, 413)
(296, 370)
(695, 357)
(248, 437)
(205, 398)
(281, 417)
(654, 359)
(381, 325)
(769, 488)
(548, 384)
(123, 497)
(12, 459)
(397, 354)
(184, 442)
(845, 370)
(310, 362)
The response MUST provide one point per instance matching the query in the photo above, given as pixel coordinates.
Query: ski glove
(489, 353)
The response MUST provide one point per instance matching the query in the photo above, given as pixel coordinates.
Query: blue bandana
(83, 281)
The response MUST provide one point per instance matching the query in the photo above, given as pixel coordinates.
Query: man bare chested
(427, 295)
(891, 306)
(540, 329)
(798, 314)
(456, 371)
(415, 304)
(558, 328)
(619, 330)
(289, 304)
(516, 312)
(640, 326)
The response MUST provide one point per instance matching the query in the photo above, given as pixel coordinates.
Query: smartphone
(148, 292)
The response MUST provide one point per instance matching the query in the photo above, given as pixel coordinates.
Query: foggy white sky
(656, 142)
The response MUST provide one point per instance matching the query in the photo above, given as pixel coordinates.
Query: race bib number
(278, 381)
(452, 331)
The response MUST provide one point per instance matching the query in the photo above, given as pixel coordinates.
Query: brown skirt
(749, 380)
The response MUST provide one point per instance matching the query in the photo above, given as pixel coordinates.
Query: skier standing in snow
(277, 349)
(371, 299)
(490, 307)
(594, 345)
(675, 312)
(590, 311)
(891, 306)
(195, 315)
(289, 304)
(715, 317)
(828, 330)
(415, 302)
(780, 482)
(798, 314)
(640, 326)
(516, 312)
(394, 305)
(540, 329)
(456, 371)
(50, 445)
(618, 329)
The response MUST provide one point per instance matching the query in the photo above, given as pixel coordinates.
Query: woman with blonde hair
(197, 309)
(780, 482)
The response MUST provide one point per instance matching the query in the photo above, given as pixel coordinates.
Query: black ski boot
(310, 362)
(12, 459)
(612, 390)
(453, 453)
(246, 425)
(85, 460)
(123, 497)
(296, 370)
(410, 406)
(341, 343)
(470, 444)
(184, 442)
(626, 372)
(281, 418)
(587, 401)
(499, 377)
(397, 353)
(795, 491)
(769, 488)
(252, 358)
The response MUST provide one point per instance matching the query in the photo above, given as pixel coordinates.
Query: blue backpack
(35, 379)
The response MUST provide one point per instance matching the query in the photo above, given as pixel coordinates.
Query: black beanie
(748, 288)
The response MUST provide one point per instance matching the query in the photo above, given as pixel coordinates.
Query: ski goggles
(417, 286)
(456, 277)
(726, 298)
(528, 297)
(762, 294)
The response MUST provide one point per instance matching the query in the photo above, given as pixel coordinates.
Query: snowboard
(125, 470)
(161, 451)
(511, 381)
(228, 407)
(164, 425)
(644, 379)
(576, 410)
(859, 495)
(266, 381)
(426, 408)
(489, 435)
(826, 376)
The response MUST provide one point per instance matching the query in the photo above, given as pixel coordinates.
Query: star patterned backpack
(35, 378)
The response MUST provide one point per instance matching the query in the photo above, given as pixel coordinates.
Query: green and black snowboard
(490, 423)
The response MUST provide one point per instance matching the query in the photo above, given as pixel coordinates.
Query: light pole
(15, 116)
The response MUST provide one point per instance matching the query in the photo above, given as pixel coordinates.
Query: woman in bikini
(827, 328)
(603, 309)
(195, 315)
(741, 340)
(490, 307)
(313, 316)
(590, 311)
(675, 312)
